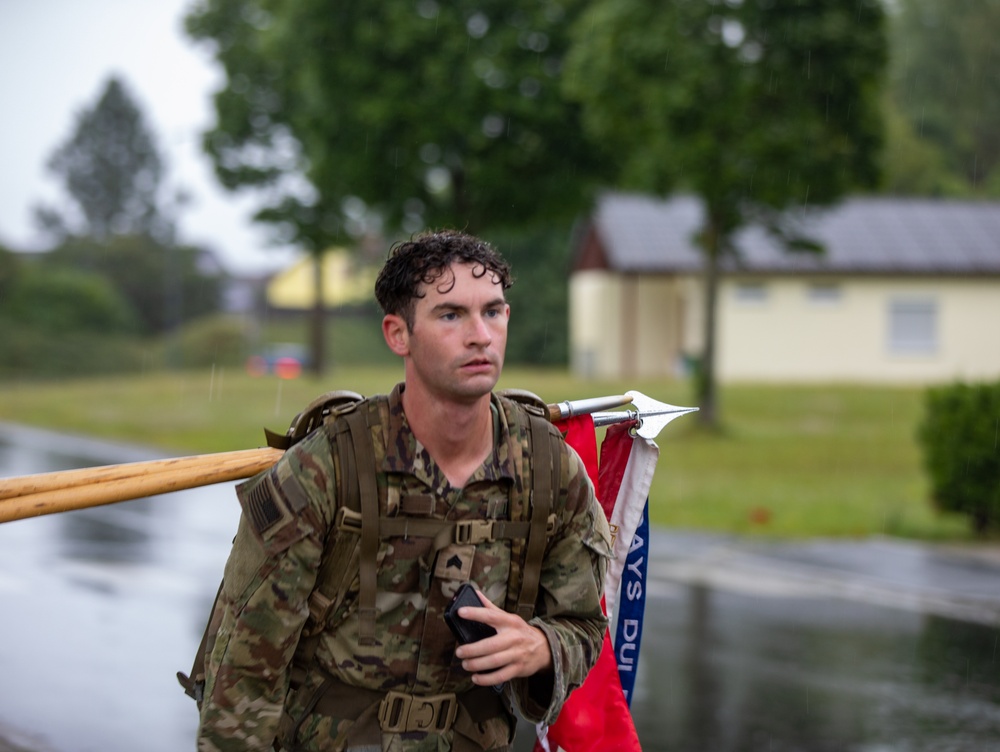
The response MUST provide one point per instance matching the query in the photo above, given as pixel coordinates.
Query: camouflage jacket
(269, 578)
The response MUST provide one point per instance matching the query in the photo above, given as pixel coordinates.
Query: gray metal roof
(862, 235)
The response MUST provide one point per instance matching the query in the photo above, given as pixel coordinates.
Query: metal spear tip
(654, 415)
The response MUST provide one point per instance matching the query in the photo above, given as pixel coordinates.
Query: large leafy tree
(111, 171)
(420, 112)
(756, 106)
(944, 78)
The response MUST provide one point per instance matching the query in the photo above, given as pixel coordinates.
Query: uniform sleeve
(268, 578)
(569, 609)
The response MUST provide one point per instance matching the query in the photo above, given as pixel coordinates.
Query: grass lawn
(790, 461)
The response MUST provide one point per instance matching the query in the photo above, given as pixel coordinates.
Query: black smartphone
(466, 630)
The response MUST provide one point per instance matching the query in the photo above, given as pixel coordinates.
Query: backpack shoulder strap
(545, 473)
(535, 500)
(367, 490)
(354, 538)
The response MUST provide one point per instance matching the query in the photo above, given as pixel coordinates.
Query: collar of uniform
(407, 455)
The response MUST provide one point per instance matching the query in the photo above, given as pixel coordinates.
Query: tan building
(907, 291)
(346, 281)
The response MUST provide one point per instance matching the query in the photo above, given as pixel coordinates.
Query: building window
(912, 326)
(824, 294)
(751, 293)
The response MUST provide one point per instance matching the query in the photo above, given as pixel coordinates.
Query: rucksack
(352, 547)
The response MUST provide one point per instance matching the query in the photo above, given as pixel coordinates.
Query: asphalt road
(958, 581)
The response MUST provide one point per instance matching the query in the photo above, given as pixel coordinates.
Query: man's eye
(450, 316)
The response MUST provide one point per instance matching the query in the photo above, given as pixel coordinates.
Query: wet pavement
(953, 581)
(749, 646)
(864, 646)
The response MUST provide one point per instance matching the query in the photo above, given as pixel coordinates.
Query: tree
(539, 308)
(57, 320)
(111, 170)
(756, 106)
(427, 113)
(943, 77)
(162, 283)
(9, 264)
(54, 300)
(914, 166)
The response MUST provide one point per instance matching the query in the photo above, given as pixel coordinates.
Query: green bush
(960, 438)
(163, 284)
(58, 300)
(218, 340)
(30, 353)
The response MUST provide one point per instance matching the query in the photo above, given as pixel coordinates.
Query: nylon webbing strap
(362, 705)
(348, 476)
(451, 531)
(364, 457)
(332, 578)
(542, 460)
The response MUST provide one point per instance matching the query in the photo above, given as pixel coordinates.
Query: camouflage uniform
(269, 578)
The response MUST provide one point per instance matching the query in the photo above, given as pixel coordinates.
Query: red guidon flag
(596, 717)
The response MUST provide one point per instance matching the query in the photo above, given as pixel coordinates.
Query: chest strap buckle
(473, 532)
(400, 712)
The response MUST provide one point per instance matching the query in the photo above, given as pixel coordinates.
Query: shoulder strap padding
(312, 417)
(535, 404)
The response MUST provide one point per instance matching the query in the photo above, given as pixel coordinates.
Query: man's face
(459, 336)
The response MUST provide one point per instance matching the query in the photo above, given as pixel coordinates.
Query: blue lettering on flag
(632, 606)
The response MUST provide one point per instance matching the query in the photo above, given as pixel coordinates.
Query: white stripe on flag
(631, 499)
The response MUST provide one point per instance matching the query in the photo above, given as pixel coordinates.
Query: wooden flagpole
(48, 493)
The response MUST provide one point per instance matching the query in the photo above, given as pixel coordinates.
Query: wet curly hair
(425, 259)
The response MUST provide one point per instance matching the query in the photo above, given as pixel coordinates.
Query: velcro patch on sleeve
(274, 518)
(261, 508)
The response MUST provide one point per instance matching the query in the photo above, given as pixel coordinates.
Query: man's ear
(396, 334)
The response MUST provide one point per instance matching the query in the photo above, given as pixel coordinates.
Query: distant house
(907, 291)
(345, 282)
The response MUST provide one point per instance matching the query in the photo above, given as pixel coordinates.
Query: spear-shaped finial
(652, 415)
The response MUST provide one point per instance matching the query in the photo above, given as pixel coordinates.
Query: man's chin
(476, 387)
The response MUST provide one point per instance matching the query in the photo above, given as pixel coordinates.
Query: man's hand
(517, 650)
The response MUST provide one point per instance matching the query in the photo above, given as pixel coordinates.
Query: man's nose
(479, 332)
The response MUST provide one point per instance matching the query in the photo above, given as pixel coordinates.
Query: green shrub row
(35, 351)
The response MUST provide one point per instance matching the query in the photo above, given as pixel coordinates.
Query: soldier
(307, 655)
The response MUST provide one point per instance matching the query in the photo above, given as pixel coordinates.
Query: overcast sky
(55, 58)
